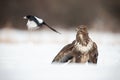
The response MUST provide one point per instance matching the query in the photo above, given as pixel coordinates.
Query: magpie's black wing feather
(34, 19)
(51, 28)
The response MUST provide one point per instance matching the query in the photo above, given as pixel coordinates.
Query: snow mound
(28, 56)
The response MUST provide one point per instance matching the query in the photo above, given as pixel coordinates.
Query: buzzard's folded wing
(65, 54)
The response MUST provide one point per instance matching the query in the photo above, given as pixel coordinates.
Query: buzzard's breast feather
(82, 48)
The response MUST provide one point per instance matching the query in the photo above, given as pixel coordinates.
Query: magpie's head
(30, 17)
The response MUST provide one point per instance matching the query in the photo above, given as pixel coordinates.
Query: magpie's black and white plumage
(34, 23)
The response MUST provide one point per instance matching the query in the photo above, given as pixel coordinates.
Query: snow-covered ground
(28, 56)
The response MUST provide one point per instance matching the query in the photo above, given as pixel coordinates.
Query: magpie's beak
(24, 17)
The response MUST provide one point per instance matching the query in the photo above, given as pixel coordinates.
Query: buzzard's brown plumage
(81, 50)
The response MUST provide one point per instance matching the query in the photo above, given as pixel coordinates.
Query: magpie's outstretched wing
(51, 28)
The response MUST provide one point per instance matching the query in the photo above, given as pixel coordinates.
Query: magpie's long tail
(51, 28)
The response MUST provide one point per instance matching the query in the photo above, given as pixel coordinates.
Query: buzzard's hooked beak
(76, 29)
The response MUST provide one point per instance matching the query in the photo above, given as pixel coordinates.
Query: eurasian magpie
(34, 23)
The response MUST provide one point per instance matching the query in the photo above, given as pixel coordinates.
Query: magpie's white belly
(31, 24)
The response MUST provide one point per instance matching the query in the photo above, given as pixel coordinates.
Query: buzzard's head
(82, 34)
(82, 29)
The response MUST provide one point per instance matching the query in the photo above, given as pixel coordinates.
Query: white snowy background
(28, 56)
